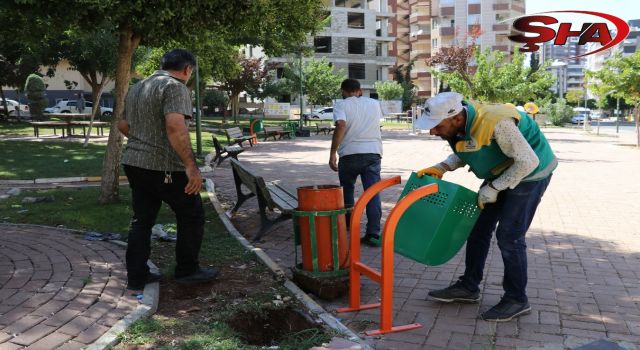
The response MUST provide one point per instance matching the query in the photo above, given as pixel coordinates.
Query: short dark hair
(350, 85)
(177, 59)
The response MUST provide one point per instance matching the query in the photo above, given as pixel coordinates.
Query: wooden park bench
(54, 125)
(85, 124)
(235, 135)
(223, 153)
(276, 131)
(327, 128)
(270, 195)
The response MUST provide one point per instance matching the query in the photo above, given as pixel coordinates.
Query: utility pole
(617, 115)
(301, 92)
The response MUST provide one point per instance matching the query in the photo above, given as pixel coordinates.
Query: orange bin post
(319, 255)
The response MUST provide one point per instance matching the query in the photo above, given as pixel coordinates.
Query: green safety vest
(480, 151)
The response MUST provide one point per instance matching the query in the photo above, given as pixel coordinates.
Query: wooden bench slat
(282, 199)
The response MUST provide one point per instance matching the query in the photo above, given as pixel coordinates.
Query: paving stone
(92, 333)
(32, 335)
(51, 341)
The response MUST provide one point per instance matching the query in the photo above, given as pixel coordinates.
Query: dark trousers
(367, 166)
(512, 213)
(148, 191)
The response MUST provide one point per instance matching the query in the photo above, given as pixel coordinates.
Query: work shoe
(151, 277)
(455, 293)
(370, 240)
(201, 275)
(505, 310)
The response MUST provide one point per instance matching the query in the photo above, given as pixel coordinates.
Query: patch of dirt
(270, 326)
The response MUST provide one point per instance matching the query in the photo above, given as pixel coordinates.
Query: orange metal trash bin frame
(384, 278)
(252, 133)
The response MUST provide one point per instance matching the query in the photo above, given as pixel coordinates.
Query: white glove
(486, 195)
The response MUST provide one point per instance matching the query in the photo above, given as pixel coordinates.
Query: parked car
(325, 113)
(13, 105)
(579, 119)
(69, 106)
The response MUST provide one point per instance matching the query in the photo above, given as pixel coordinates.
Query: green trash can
(435, 227)
(257, 126)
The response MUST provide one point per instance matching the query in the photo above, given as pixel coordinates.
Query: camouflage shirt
(146, 105)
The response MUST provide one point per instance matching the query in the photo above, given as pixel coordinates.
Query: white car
(69, 106)
(13, 105)
(579, 119)
(322, 114)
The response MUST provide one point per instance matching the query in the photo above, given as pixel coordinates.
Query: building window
(434, 43)
(379, 49)
(373, 95)
(279, 72)
(327, 19)
(473, 19)
(356, 71)
(356, 46)
(435, 23)
(322, 44)
(341, 3)
(629, 49)
(355, 20)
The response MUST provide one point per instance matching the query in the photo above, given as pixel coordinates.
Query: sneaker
(201, 275)
(151, 277)
(370, 240)
(505, 310)
(455, 293)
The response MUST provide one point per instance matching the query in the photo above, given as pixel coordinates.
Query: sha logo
(540, 25)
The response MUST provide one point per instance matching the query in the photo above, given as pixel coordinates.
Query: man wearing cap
(506, 149)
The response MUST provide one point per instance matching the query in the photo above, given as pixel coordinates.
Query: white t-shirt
(362, 115)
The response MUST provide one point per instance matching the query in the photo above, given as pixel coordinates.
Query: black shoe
(151, 277)
(201, 275)
(455, 293)
(370, 240)
(505, 310)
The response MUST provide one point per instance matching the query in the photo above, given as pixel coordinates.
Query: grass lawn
(194, 317)
(16, 129)
(30, 160)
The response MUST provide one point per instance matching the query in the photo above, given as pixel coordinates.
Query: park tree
(35, 89)
(322, 83)
(622, 74)
(574, 96)
(388, 90)
(497, 79)
(272, 24)
(403, 77)
(93, 55)
(250, 75)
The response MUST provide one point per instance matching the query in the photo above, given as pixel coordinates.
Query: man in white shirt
(358, 142)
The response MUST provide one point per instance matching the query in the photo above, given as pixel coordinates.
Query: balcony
(421, 37)
(447, 31)
(500, 27)
(500, 7)
(504, 48)
(447, 11)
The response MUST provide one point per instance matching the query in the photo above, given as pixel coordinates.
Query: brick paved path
(584, 246)
(58, 291)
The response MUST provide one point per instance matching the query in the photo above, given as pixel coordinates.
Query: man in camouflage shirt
(160, 167)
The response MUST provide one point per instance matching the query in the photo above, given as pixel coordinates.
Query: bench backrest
(273, 129)
(253, 182)
(234, 132)
(216, 145)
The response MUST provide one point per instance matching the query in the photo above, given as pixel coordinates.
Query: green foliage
(149, 60)
(558, 113)
(574, 96)
(621, 74)
(35, 89)
(214, 98)
(388, 90)
(403, 76)
(497, 80)
(322, 85)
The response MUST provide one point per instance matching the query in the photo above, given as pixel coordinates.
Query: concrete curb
(148, 306)
(309, 303)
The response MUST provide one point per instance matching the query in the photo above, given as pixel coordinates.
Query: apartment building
(433, 24)
(412, 29)
(575, 66)
(632, 43)
(356, 40)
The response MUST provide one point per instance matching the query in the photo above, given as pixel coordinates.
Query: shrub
(388, 90)
(35, 89)
(558, 113)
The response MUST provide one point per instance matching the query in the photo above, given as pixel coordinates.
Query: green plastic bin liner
(434, 228)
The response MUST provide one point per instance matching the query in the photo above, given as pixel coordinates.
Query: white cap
(439, 107)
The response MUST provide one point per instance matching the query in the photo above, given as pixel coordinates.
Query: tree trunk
(637, 112)
(111, 164)
(96, 94)
(4, 103)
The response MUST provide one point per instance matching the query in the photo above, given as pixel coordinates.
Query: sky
(625, 9)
